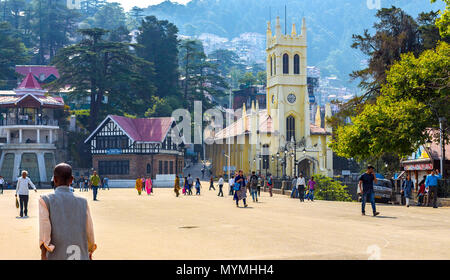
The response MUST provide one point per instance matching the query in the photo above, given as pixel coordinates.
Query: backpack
(253, 182)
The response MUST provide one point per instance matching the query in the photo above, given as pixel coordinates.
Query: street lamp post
(441, 140)
(278, 157)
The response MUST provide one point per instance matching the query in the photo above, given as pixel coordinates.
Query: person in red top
(421, 192)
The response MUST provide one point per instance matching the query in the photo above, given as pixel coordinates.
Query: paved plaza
(209, 227)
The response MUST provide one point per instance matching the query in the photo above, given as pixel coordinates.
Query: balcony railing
(43, 122)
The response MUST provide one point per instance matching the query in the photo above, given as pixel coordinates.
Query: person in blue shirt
(432, 184)
(366, 188)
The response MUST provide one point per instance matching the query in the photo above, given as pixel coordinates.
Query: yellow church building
(279, 140)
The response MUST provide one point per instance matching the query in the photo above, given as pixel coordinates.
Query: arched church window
(290, 128)
(271, 66)
(285, 63)
(296, 64)
(149, 168)
(274, 65)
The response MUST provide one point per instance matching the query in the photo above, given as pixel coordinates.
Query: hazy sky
(128, 4)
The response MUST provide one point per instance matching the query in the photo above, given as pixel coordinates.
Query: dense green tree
(443, 22)
(262, 78)
(396, 33)
(96, 68)
(416, 94)
(201, 77)
(248, 79)
(53, 24)
(159, 42)
(12, 52)
(225, 60)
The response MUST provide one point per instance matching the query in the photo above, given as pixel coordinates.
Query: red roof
(37, 70)
(13, 100)
(30, 82)
(144, 130)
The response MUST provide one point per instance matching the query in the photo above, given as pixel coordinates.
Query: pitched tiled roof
(239, 128)
(30, 82)
(140, 130)
(37, 70)
(43, 99)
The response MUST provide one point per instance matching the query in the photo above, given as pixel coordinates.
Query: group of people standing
(144, 184)
(428, 185)
(301, 190)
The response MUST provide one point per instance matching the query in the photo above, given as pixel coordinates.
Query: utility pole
(442, 146)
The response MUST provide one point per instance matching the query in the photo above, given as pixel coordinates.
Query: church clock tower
(287, 91)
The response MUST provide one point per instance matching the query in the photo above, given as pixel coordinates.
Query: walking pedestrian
(365, 186)
(301, 187)
(294, 192)
(254, 186)
(198, 186)
(191, 184)
(95, 183)
(148, 185)
(220, 183)
(186, 185)
(22, 190)
(231, 185)
(211, 183)
(65, 221)
(138, 185)
(432, 184)
(407, 187)
(2, 182)
(270, 185)
(176, 187)
(311, 187)
(240, 189)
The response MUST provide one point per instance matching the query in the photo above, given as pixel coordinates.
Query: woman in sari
(138, 185)
(148, 185)
(186, 186)
(177, 188)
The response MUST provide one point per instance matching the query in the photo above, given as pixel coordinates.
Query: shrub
(328, 189)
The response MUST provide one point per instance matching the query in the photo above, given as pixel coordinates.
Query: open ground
(163, 227)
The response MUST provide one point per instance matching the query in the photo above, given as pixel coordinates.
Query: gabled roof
(37, 70)
(42, 99)
(30, 82)
(150, 130)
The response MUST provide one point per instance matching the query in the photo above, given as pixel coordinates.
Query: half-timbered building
(125, 148)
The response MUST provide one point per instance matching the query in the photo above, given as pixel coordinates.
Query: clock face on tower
(291, 98)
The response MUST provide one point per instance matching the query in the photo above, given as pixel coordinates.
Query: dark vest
(68, 219)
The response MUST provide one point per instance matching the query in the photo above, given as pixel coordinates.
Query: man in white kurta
(23, 192)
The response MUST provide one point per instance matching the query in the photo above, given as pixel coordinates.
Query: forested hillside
(331, 23)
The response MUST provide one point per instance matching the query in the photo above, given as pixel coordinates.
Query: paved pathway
(208, 227)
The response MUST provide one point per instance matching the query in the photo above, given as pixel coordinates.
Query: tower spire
(278, 28)
(294, 30)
